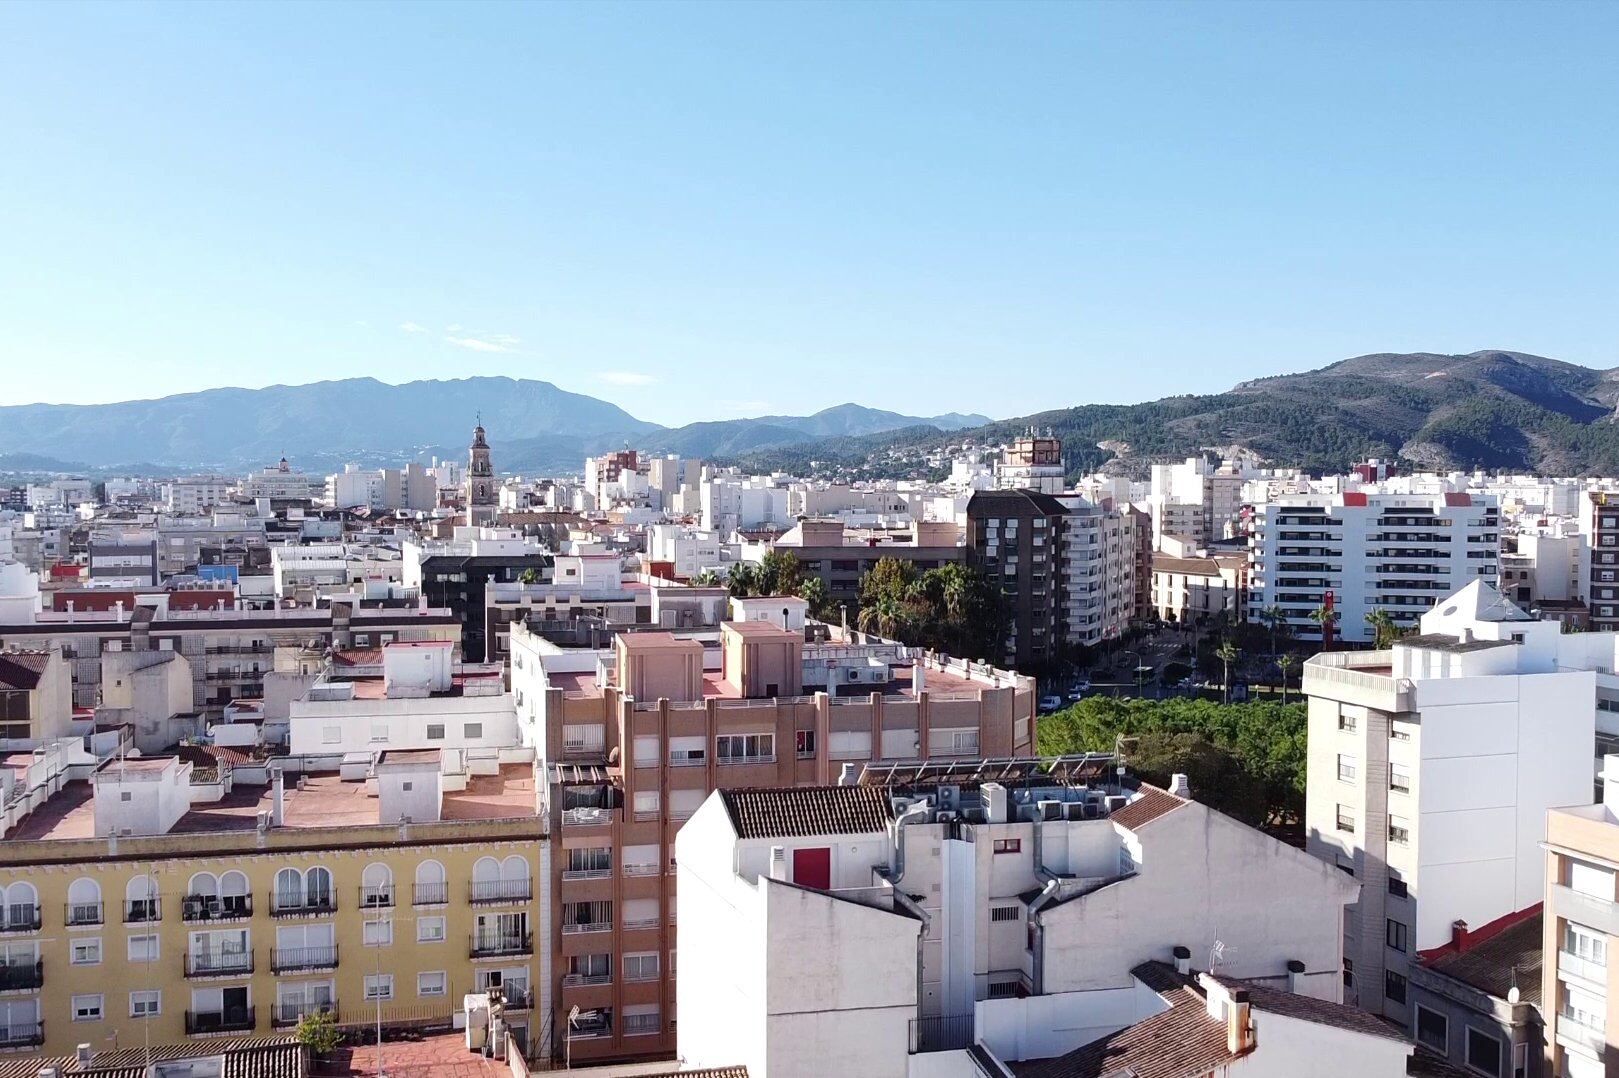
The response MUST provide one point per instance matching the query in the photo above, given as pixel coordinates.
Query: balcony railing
(290, 1014)
(588, 816)
(483, 891)
(219, 963)
(209, 908)
(83, 913)
(587, 874)
(430, 894)
(517, 997)
(22, 976)
(498, 944)
(376, 898)
(585, 980)
(640, 922)
(640, 870)
(234, 1020)
(303, 905)
(22, 1034)
(576, 928)
(587, 1029)
(290, 959)
(143, 911)
(941, 1034)
(21, 917)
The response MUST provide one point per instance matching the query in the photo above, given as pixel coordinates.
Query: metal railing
(22, 1034)
(430, 894)
(289, 959)
(587, 873)
(302, 905)
(500, 891)
(585, 980)
(21, 976)
(640, 870)
(376, 898)
(941, 1033)
(143, 911)
(588, 816)
(290, 1014)
(211, 908)
(493, 945)
(234, 1020)
(582, 927)
(631, 924)
(83, 913)
(22, 917)
(218, 963)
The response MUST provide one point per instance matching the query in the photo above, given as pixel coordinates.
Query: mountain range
(533, 425)
(1491, 409)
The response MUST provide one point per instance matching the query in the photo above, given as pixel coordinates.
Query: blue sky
(710, 211)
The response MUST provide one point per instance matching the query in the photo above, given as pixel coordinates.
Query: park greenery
(953, 609)
(1244, 759)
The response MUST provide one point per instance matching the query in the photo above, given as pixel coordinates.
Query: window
(735, 748)
(1589, 879)
(1394, 986)
(641, 967)
(331, 735)
(1397, 887)
(1483, 1052)
(1346, 819)
(87, 1008)
(472, 731)
(86, 952)
(804, 742)
(145, 1004)
(1399, 732)
(1399, 778)
(435, 731)
(1347, 723)
(1346, 768)
(378, 933)
(1395, 935)
(1433, 1029)
(379, 986)
(1349, 973)
(1003, 913)
(432, 984)
(429, 929)
(143, 948)
(1399, 830)
(1583, 943)
(1008, 845)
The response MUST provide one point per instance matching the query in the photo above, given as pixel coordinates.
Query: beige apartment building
(1579, 976)
(154, 901)
(635, 737)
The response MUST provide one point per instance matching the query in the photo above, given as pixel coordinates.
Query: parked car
(1051, 703)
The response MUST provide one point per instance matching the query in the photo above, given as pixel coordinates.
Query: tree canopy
(954, 608)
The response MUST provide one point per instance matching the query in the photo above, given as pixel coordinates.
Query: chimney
(1239, 1030)
(778, 863)
(1180, 785)
(1295, 976)
(278, 797)
(1183, 961)
(1458, 935)
(84, 1056)
(1467, 634)
(846, 775)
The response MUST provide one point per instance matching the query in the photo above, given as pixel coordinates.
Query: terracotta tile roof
(245, 1057)
(808, 810)
(1147, 807)
(22, 669)
(1503, 952)
(1319, 1012)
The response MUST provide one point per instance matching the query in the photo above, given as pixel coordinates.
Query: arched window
(203, 885)
(318, 887)
(432, 885)
(376, 886)
(234, 894)
(514, 869)
(289, 889)
(141, 900)
(485, 870)
(19, 906)
(201, 900)
(84, 902)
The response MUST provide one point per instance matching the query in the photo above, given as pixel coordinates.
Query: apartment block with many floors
(636, 737)
(1368, 551)
(1431, 767)
(149, 898)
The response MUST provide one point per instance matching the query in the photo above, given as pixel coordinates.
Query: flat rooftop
(324, 801)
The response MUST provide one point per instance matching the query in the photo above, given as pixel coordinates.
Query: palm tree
(1286, 662)
(743, 580)
(708, 578)
(885, 617)
(1384, 631)
(1324, 616)
(1227, 653)
(813, 591)
(1275, 617)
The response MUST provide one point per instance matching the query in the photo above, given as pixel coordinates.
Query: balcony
(430, 894)
(303, 906)
(219, 964)
(517, 997)
(640, 870)
(19, 918)
(587, 874)
(589, 816)
(941, 1034)
(498, 945)
(376, 898)
(22, 976)
(590, 1026)
(302, 959)
(486, 892)
(22, 1035)
(1583, 968)
(586, 980)
(577, 928)
(290, 1014)
(234, 1020)
(143, 911)
(209, 908)
(640, 923)
(79, 914)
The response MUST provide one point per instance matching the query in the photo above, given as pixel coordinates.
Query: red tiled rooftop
(443, 1055)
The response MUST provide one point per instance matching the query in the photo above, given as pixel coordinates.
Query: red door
(812, 867)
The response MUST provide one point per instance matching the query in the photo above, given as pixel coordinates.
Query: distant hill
(533, 425)
(1492, 409)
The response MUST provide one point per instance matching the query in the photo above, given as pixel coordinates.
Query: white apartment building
(688, 549)
(1195, 499)
(281, 483)
(1368, 551)
(897, 921)
(1431, 767)
(197, 493)
(731, 501)
(1098, 552)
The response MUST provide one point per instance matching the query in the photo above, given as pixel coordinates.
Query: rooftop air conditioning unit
(1115, 802)
(1050, 810)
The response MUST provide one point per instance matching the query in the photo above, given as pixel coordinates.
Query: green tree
(813, 591)
(1227, 653)
(1324, 616)
(529, 576)
(780, 573)
(317, 1031)
(1287, 663)
(743, 580)
(1276, 618)
(1384, 631)
(708, 578)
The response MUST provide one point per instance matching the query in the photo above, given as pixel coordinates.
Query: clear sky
(710, 211)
